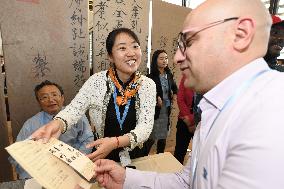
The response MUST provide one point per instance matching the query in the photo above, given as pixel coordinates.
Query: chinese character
(76, 33)
(78, 2)
(77, 17)
(78, 51)
(79, 65)
(163, 42)
(40, 68)
(101, 10)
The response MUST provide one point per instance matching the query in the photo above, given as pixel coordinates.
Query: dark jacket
(172, 86)
(272, 63)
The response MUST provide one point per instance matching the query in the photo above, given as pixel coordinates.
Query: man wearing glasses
(50, 97)
(236, 144)
(276, 43)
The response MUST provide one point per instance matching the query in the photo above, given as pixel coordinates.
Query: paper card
(74, 158)
(49, 171)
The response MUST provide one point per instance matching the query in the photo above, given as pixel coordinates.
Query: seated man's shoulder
(34, 120)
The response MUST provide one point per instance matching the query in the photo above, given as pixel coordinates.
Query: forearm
(122, 141)
(153, 180)
(145, 114)
(78, 106)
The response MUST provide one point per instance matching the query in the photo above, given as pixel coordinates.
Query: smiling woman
(120, 100)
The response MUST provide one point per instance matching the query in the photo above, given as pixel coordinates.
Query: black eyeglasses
(183, 43)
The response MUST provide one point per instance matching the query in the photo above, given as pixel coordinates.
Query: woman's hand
(109, 174)
(51, 129)
(104, 147)
(159, 101)
(190, 126)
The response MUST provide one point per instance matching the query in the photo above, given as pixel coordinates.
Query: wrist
(116, 144)
(62, 124)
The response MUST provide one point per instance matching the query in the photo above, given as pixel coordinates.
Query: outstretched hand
(51, 129)
(104, 147)
(109, 174)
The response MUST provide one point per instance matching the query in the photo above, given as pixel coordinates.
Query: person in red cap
(276, 43)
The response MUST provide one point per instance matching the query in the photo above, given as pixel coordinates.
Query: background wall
(109, 15)
(47, 40)
(164, 36)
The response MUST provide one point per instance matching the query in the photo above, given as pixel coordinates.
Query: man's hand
(109, 174)
(104, 147)
(51, 129)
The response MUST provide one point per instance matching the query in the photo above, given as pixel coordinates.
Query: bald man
(238, 141)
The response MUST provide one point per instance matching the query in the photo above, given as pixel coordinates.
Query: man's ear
(244, 32)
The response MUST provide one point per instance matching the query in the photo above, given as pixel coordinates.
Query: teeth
(130, 62)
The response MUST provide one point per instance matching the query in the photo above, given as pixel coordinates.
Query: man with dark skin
(276, 44)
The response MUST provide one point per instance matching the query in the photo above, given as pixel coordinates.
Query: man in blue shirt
(50, 97)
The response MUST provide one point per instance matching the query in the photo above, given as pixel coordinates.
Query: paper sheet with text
(48, 163)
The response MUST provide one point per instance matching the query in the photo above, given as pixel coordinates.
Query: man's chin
(52, 112)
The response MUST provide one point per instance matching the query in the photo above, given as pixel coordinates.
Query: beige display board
(6, 169)
(1, 51)
(43, 40)
(166, 25)
(109, 15)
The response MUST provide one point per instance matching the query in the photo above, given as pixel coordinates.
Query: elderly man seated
(50, 97)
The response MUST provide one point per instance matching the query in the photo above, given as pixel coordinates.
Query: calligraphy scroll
(43, 40)
(164, 36)
(108, 15)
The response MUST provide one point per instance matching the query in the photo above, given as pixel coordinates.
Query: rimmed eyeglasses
(183, 43)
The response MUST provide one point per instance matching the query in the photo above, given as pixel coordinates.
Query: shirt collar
(219, 95)
(49, 115)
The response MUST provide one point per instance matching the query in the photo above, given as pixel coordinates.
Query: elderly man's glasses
(183, 43)
(47, 97)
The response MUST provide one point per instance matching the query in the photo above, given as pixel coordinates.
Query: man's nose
(179, 57)
(51, 98)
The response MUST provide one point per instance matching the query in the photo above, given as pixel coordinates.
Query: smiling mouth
(130, 62)
(277, 47)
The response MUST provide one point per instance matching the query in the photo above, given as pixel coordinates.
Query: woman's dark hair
(112, 35)
(45, 83)
(154, 63)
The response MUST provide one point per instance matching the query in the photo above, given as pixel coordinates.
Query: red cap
(276, 21)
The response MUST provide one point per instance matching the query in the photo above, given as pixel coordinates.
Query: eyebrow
(123, 43)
